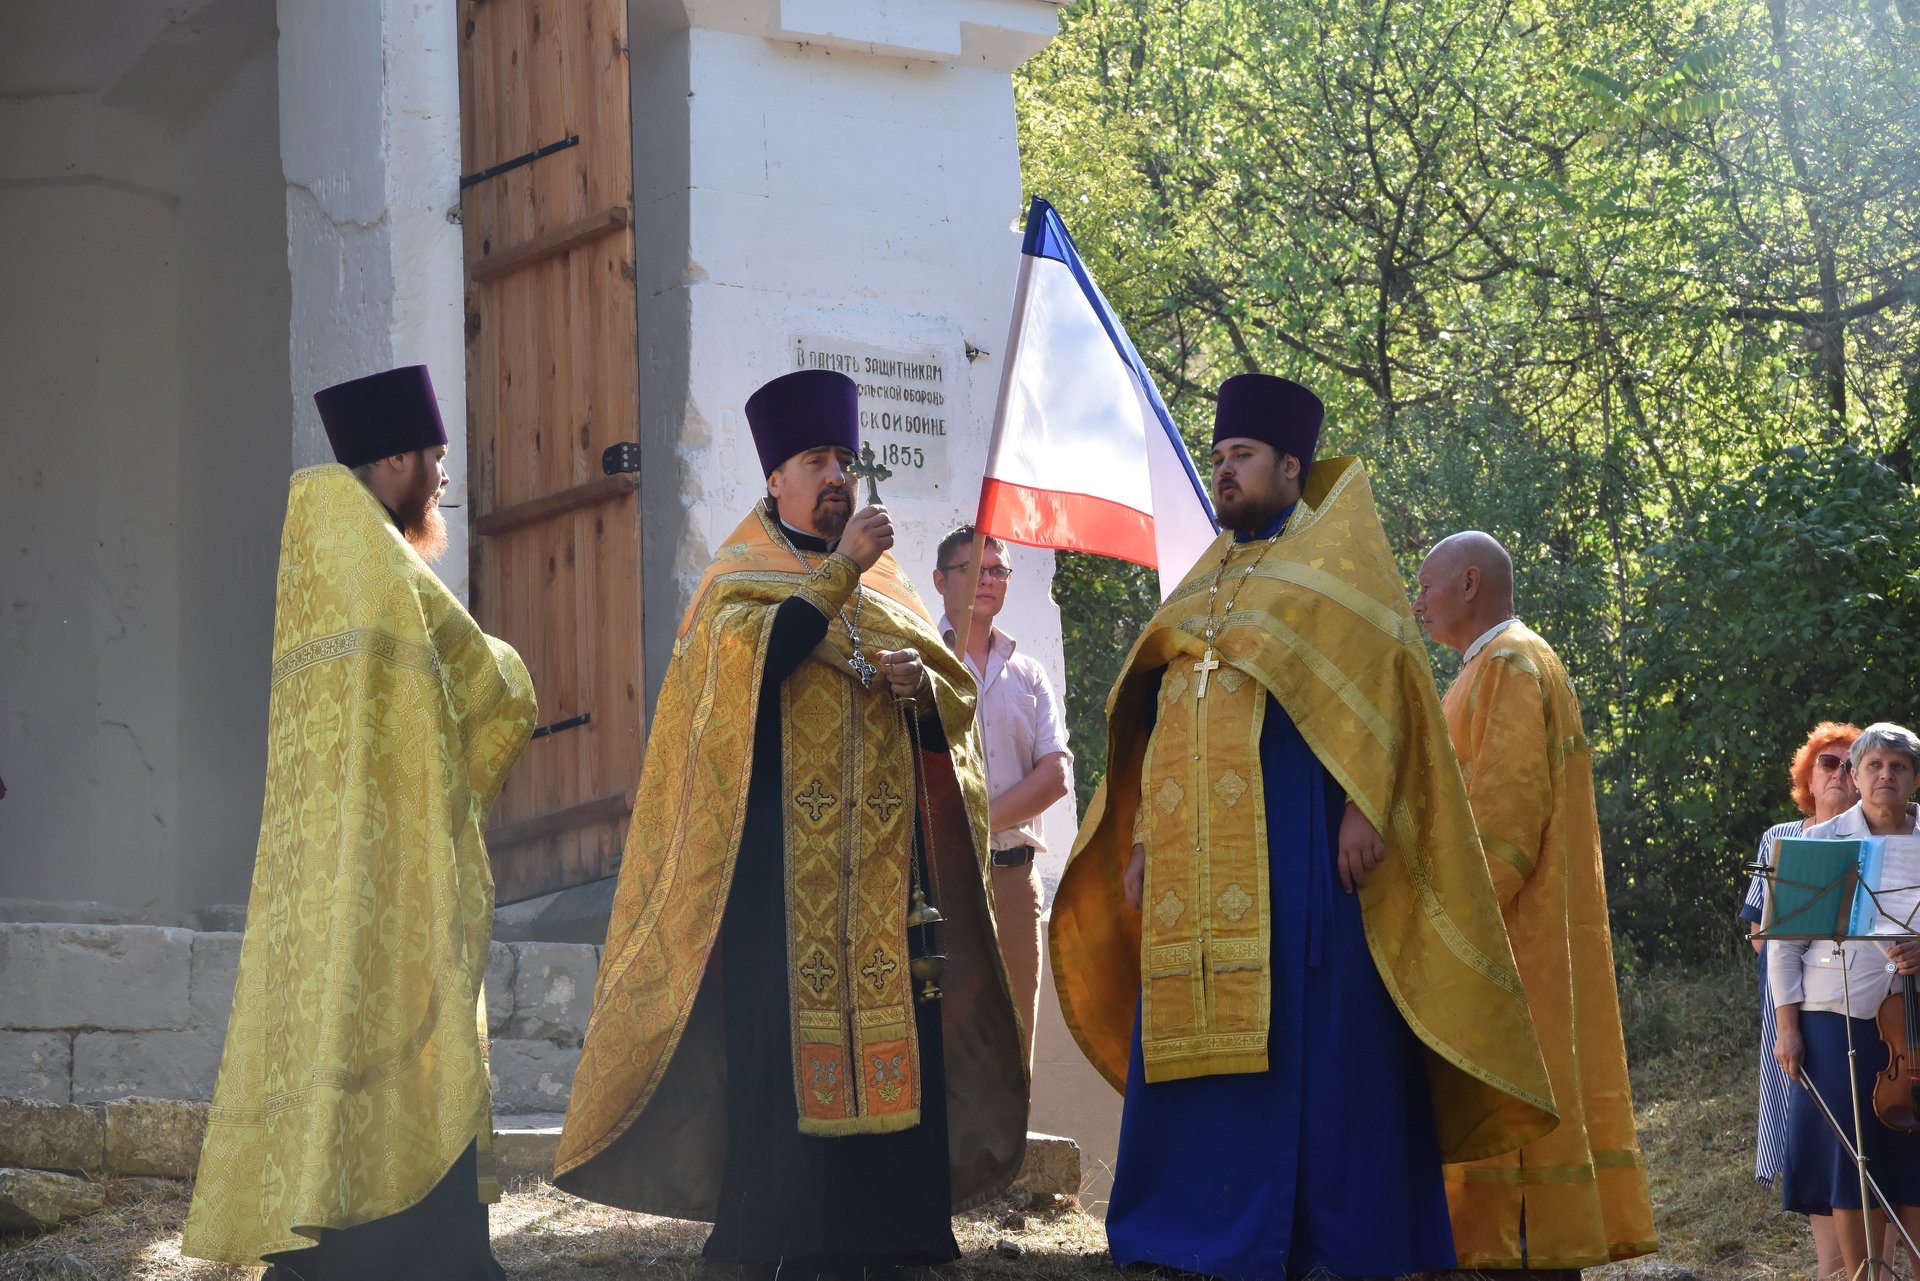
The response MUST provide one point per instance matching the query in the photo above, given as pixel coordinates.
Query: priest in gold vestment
(352, 1117)
(1578, 1197)
(1276, 933)
(775, 1046)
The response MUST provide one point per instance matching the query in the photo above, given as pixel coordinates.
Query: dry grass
(1691, 1038)
(539, 1234)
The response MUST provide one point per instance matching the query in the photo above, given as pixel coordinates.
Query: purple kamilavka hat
(381, 415)
(1276, 410)
(803, 410)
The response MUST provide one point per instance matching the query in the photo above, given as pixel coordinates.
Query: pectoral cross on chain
(872, 471)
(1205, 667)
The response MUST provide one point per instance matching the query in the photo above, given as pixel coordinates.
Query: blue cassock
(1327, 1162)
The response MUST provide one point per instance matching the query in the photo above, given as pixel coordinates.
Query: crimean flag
(1084, 456)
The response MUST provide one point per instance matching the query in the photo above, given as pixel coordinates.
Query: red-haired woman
(1822, 789)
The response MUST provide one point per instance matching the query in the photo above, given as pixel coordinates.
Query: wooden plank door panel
(552, 383)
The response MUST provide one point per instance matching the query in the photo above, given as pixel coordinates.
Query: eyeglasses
(1830, 761)
(998, 573)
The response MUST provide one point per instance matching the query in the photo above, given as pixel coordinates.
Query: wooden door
(552, 374)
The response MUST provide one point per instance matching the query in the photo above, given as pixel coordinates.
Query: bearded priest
(1276, 934)
(802, 1031)
(352, 1117)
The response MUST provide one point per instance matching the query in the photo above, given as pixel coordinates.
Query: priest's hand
(1361, 849)
(1135, 881)
(906, 674)
(869, 532)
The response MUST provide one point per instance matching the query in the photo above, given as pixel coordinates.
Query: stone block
(578, 915)
(155, 1136)
(215, 968)
(125, 978)
(1051, 1168)
(499, 988)
(36, 1065)
(41, 1199)
(524, 1147)
(156, 1065)
(82, 912)
(552, 991)
(532, 1076)
(52, 1136)
(221, 918)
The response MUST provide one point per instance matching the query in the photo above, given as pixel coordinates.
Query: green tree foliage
(1793, 597)
(1561, 273)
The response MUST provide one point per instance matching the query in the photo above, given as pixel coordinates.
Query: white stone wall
(233, 460)
(88, 413)
(834, 170)
(142, 417)
(370, 144)
(76, 1026)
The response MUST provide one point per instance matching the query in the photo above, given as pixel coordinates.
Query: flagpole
(963, 627)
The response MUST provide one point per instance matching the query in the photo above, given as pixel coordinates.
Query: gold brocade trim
(829, 586)
(1338, 590)
(1305, 517)
(1420, 867)
(1572, 745)
(1518, 659)
(1522, 1176)
(693, 777)
(354, 1071)
(1207, 951)
(1619, 1159)
(848, 777)
(359, 640)
(1334, 679)
(1507, 853)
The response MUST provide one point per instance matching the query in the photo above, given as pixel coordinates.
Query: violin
(1896, 1091)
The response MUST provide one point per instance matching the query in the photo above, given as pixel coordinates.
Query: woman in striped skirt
(1823, 789)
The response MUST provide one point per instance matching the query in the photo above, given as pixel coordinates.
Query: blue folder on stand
(1843, 888)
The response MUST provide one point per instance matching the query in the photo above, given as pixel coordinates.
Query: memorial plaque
(906, 408)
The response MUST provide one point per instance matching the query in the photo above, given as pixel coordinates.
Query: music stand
(1829, 898)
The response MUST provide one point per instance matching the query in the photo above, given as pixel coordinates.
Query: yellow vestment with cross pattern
(645, 1120)
(355, 1067)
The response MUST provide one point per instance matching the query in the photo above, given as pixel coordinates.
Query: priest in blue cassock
(1277, 933)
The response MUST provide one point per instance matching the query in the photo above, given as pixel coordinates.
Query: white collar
(1485, 637)
(996, 639)
(1851, 824)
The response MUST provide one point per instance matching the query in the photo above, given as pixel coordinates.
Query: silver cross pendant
(862, 668)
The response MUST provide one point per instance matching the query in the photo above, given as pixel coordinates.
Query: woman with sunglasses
(1814, 986)
(1822, 789)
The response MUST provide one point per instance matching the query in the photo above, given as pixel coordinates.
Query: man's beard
(1245, 514)
(423, 525)
(830, 519)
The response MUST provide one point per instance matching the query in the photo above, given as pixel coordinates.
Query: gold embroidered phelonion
(1208, 663)
(861, 665)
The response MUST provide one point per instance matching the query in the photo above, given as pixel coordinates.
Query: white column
(370, 144)
(828, 180)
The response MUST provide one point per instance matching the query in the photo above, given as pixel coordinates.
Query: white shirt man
(1029, 767)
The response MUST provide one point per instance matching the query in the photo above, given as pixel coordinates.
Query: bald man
(1578, 1197)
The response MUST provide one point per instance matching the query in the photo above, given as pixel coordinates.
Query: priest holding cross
(1277, 933)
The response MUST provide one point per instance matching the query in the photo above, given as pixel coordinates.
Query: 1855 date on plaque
(905, 406)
